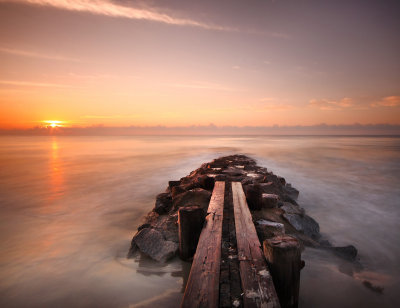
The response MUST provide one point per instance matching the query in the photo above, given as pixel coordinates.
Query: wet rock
(177, 190)
(152, 243)
(347, 252)
(204, 181)
(304, 224)
(253, 194)
(268, 229)
(281, 180)
(291, 208)
(269, 200)
(163, 203)
(232, 171)
(291, 191)
(173, 184)
(142, 226)
(197, 196)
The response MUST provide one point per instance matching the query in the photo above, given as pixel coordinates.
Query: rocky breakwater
(272, 202)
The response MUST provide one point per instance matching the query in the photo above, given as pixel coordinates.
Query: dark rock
(346, 252)
(177, 190)
(291, 208)
(268, 229)
(281, 180)
(173, 184)
(204, 181)
(269, 200)
(197, 196)
(163, 203)
(372, 287)
(291, 191)
(142, 226)
(253, 194)
(304, 224)
(152, 243)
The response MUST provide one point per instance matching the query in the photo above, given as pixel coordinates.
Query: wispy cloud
(111, 9)
(33, 84)
(109, 116)
(33, 54)
(325, 104)
(388, 101)
(204, 86)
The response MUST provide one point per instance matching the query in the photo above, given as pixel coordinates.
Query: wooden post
(190, 220)
(283, 256)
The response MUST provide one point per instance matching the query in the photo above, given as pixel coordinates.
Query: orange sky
(258, 63)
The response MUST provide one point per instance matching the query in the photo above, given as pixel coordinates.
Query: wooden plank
(257, 284)
(202, 288)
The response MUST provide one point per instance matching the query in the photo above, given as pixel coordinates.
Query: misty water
(69, 207)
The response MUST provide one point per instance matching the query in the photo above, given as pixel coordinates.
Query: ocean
(69, 207)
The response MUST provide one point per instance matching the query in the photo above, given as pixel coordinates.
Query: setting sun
(53, 123)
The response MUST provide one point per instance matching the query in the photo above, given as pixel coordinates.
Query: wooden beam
(202, 288)
(257, 285)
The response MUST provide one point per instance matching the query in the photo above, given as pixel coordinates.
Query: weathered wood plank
(257, 284)
(202, 288)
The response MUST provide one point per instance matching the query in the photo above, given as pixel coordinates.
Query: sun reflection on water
(56, 172)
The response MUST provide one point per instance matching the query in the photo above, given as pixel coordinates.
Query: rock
(177, 190)
(169, 228)
(142, 226)
(268, 229)
(173, 184)
(281, 180)
(291, 191)
(152, 243)
(197, 196)
(206, 182)
(253, 196)
(269, 200)
(163, 203)
(347, 252)
(304, 224)
(290, 208)
(234, 171)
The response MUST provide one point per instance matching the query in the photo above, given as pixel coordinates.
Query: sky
(117, 63)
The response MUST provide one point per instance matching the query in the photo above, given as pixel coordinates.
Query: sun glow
(53, 124)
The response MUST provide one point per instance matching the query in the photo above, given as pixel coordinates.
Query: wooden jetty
(209, 285)
(237, 222)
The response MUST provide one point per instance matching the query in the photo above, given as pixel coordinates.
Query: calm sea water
(70, 205)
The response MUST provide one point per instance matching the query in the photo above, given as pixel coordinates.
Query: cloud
(27, 53)
(325, 104)
(236, 67)
(202, 85)
(388, 101)
(277, 106)
(108, 8)
(33, 84)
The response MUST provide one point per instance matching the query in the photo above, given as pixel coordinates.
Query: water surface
(70, 205)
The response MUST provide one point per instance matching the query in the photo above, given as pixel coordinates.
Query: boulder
(173, 184)
(152, 243)
(347, 252)
(291, 191)
(163, 203)
(268, 229)
(197, 196)
(269, 200)
(304, 224)
(290, 208)
(204, 181)
(177, 190)
(253, 196)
